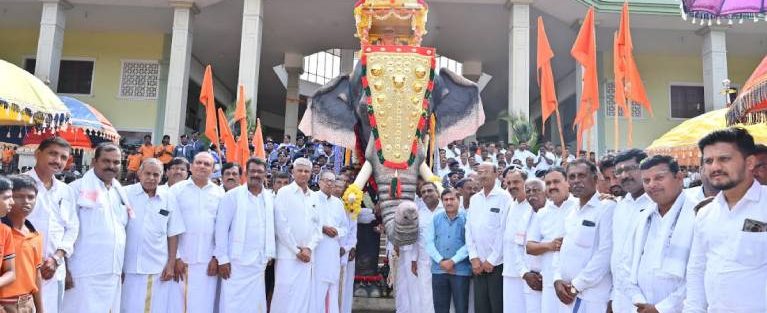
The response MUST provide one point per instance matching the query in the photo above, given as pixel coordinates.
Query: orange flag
(631, 87)
(584, 51)
(240, 115)
(549, 102)
(208, 101)
(258, 142)
(226, 136)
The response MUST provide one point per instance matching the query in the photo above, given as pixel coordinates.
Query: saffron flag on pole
(631, 88)
(584, 51)
(208, 101)
(549, 102)
(226, 137)
(258, 142)
(241, 116)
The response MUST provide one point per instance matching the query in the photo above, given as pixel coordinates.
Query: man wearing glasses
(760, 170)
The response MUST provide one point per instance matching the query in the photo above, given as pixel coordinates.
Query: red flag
(633, 85)
(585, 53)
(208, 101)
(226, 136)
(258, 142)
(549, 102)
(240, 115)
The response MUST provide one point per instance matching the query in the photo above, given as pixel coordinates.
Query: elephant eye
(343, 97)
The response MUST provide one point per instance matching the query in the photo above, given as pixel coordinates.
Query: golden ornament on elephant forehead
(402, 79)
(391, 22)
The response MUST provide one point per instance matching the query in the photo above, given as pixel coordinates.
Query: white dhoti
(245, 290)
(97, 293)
(532, 300)
(425, 294)
(145, 293)
(325, 297)
(583, 306)
(195, 294)
(53, 294)
(514, 295)
(346, 286)
(549, 301)
(405, 285)
(292, 286)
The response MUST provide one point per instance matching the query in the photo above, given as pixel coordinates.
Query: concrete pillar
(294, 65)
(51, 41)
(250, 49)
(347, 61)
(162, 94)
(714, 55)
(178, 70)
(519, 58)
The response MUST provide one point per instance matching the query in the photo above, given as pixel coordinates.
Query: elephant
(338, 113)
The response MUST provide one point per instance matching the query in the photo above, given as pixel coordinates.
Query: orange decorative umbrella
(751, 105)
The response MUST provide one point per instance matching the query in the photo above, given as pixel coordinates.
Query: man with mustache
(582, 277)
(245, 242)
(177, 171)
(546, 231)
(656, 253)
(421, 263)
(760, 169)
(196, 266)
(231, 174)
(151, 244)
(607, 168)
(625, 218)
(514, 249)
(327, 254)
(531, 267)
(727, 271)
(96, 262)
(54, 217)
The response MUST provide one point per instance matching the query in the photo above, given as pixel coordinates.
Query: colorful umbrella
(681, 141)
(28, 101)
(750, 107)
(710, 10)
(87, 118)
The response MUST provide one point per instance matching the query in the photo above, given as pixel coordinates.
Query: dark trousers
(488, 291)
(445, 286)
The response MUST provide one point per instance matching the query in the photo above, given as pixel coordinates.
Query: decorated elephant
(383, 109)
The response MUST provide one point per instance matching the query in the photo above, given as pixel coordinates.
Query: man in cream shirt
(514, 250)
(327, 256)
(421, 266)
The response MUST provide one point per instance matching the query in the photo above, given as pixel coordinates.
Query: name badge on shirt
(588, 223)
(164, 212)
(495, 210)
(754, 226)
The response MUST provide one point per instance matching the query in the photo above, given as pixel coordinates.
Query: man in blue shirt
(451, 271)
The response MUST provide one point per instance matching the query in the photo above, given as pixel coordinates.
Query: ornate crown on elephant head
(391, 22)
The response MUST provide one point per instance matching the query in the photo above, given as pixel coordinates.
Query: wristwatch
(59, 260)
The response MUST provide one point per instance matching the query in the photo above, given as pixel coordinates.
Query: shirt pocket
(751, 248)
(585, 236)
(157, 223)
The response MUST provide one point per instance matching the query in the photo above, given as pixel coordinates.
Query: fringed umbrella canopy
(750, 107)
(722, 11)
(681, 141)
(25, 100)
(86, 117)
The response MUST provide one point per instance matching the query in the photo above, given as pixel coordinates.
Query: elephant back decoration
(382, 110)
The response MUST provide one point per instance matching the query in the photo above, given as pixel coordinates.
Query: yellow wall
(658, 73)
(107, 49)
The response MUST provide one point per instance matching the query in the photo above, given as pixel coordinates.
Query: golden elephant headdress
(391, 22)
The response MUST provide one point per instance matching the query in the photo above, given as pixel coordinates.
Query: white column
(347, 61)
(250, 49)
(519, 58)
(294, 65)
(178, 70)
(714, 54)
(50, 42)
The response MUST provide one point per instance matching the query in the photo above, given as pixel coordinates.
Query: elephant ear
(330, 116)
(457, 107)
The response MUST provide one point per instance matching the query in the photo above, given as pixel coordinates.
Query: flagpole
(218, 145)
(561, 135)
(629, 141)
(615, 128)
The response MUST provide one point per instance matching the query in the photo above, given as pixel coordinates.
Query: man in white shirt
(546, 158)
(96, 262)
(326, 256)
(348, 252)
(421, 265)
(625, 218)
(197, 200)
(485, 221)
(55, 217)
(760, 169)
(152, 242)
(582, 271)
(536, 197)
(727, 270)
(178, 171)
(513, 249)
(522, 153)
(656, 253)
(245, 242)
(298, 232)
(547, 230)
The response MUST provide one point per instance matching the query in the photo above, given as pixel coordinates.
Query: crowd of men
(547, 234)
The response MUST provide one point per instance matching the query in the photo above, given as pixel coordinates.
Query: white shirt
(156, 219)
(727, 271)
(513, 242)
(255, 240)
(544, 165)
(327, 257)
(584, 258)
(522, 155)
(296, 220)
(485, 221)
(55, 217)
(425, 218)
(625, 219)
(349, 241)
(198, 208)
(100, 245)
(547, 225)
(660, 261)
